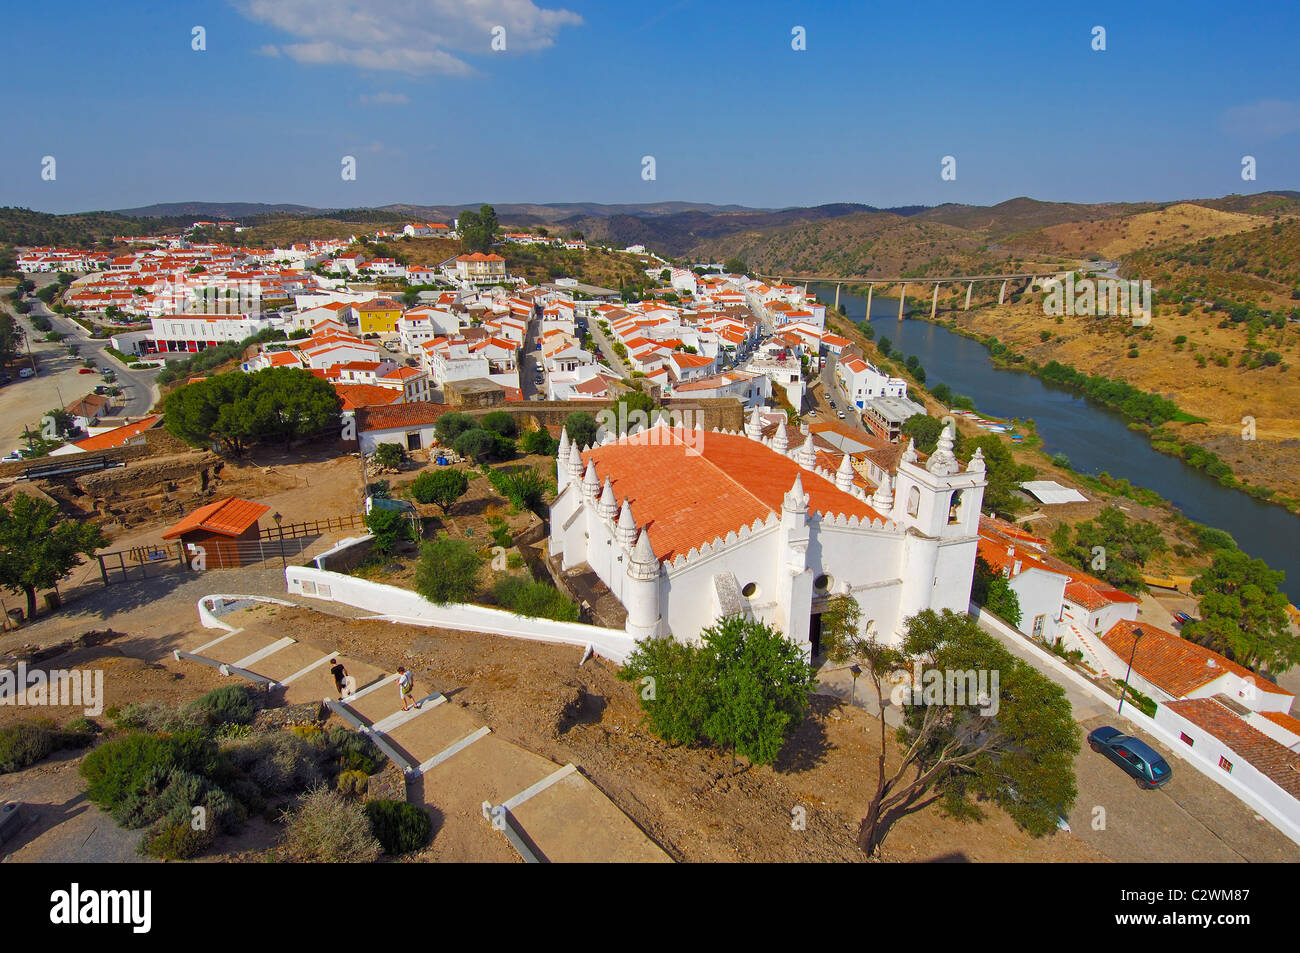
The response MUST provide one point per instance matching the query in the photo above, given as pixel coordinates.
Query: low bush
(279, 762)
(355, 752)
(329, 828)
(125, 774)
(24, 744)
(400, 827)
(230, 704)
(353, 783)
(537, 599)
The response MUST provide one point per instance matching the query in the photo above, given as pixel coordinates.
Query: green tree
(1015, 748)
(991, 590)
(389, 527)
(451, 425)
(478, 230)
(498, 421)
(390, 456)
(734, 266)
(1003, 473)
(448, 571)
(479, 445)
(581, 427)
(538, 441)
(238, 410)
(1243, 614)
(924, 431)
(443, 487)
(745, 687)
(1113, 547)
(38, 547)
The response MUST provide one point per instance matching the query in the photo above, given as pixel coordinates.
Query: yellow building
(379, 316)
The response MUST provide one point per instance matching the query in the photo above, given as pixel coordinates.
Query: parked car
(26, 372)
(1146, 765)
(1183, 618)
(85, 370)
(839, 414)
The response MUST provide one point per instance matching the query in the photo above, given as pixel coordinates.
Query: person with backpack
(340, 677)
(405, 687)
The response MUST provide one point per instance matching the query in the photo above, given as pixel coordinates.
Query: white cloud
(407, 36)
(267, 50)
(384, 99)
(1264, 120)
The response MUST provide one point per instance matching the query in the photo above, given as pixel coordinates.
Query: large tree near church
(238, 410)
(38, 547)
(1015, 749)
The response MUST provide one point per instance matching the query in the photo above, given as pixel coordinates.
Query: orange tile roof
(1265, 754)
(1289, 722)
(117, 437)
(690, 495)
(355, 396)
(230, 516)
(1176, 665)
(415, 414)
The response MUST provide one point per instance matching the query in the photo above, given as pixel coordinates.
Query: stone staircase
(451, 760)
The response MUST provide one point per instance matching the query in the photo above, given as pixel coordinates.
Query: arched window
(954, 508)
(913, 501)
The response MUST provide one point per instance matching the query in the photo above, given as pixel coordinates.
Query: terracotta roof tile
(690, 495)
(1176, 665)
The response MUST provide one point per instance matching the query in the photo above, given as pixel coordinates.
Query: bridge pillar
(1003, 293)
(870, 288)
(902, 299)
(934, 302)
(837, 297)
(969, 288)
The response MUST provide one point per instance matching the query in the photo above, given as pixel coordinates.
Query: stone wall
(717, 413)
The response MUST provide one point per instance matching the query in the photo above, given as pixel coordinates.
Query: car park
(1142, 762)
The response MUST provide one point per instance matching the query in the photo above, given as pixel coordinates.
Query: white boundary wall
(401, 605)
(1288, 823)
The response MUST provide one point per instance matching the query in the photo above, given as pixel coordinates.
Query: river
(1095, 439)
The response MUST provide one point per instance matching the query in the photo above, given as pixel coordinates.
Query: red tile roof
(1175, 665)
(418, 413)
(1268, 756)
(691, 495)
(119, 436)
(229, 517)
(355, 396)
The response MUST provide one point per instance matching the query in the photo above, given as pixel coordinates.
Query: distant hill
(226, 211)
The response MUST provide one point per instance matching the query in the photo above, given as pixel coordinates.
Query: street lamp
(853, 693)
(277, 517)
(1137, 634)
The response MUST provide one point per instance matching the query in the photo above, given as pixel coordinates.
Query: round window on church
(750, 590)
(822, 583)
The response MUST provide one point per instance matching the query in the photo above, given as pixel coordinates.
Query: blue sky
(713, 90)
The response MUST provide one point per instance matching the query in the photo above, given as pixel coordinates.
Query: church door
(815, 634)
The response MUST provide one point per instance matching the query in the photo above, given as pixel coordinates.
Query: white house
(685, 526)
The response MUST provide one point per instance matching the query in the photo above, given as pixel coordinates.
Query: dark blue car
(1139, 759)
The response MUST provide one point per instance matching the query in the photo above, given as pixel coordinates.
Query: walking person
(405, 687)
(340, 677)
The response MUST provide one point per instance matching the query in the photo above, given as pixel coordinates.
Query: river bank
(1104, 451)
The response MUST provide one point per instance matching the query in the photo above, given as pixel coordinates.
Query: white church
(686, 526)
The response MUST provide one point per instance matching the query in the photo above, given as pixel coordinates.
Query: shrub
(400, 827)
(124, 773)
(450, 426)
(536, 599)
(443, 487)
(501, 422)
(355, 752)
(280, 762)
(82, 725)
(24, 744)
(230, 704)
(353, 783)
(538, 441)
(329, 828)
(390, 456)
(176, 840)
(448, 571)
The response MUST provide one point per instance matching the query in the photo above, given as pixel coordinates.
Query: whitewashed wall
(402, 605)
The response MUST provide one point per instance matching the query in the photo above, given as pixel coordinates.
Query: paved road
(1190, 819)
(138, 387)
